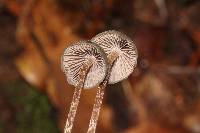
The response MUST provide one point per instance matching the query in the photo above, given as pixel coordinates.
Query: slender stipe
(76, 97)
(99, 96)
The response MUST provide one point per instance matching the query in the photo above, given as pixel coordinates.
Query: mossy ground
(27, 110)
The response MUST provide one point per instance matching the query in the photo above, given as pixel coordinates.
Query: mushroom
(122, 58)
(118, 43)
(85, 54)
(85, 65)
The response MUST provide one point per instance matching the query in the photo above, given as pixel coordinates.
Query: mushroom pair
(107, 58)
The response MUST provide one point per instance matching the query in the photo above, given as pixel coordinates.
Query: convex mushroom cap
(77, 55)
(114, 41)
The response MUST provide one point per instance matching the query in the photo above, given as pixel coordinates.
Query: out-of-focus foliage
(161, 96)
(30, 110)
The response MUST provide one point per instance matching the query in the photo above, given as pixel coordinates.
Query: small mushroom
(83, 53)
(122, 58)
(118, 43)
(85, 66)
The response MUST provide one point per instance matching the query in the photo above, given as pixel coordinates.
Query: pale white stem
(73, 109)
(76, 98)
(99, 96)
(96, 108)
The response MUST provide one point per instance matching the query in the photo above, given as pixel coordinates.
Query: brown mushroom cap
(114, 41)
(79, 53)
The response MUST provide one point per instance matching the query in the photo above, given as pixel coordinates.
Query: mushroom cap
(114, 41)
(76, 55)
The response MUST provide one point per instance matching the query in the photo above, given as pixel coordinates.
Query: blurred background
(162, 95)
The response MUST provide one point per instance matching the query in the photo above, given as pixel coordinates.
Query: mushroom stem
(76, 96)
(112, 57)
